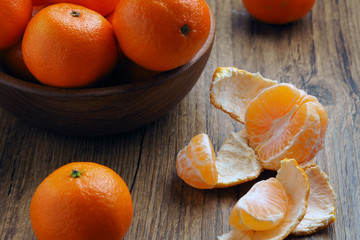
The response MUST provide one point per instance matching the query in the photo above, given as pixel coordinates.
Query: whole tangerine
(83, 201)
(67, 45)
(161, 35)
(14, 16)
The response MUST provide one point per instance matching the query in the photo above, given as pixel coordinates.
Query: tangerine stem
(75, 14)
(185, 29)
(75, 173)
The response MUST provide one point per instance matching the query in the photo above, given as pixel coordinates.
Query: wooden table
(319, 54)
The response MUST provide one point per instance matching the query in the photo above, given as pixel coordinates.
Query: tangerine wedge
(235, 163)
(262, 208)
(295, 184)
(195, 163)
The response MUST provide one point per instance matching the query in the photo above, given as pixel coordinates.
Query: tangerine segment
(195, 164)
(269, 111)
(298, 139)
(323, 122)
(321, 210)
(232, 90)
(236, 162)
(262, 208)
(295, 183)
(284, 122)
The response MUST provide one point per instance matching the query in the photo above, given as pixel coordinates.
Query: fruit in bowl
(130, 96)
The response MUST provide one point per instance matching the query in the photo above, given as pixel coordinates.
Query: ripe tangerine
(14, 16)
(81, 200)
(161, 35)
(67, 45)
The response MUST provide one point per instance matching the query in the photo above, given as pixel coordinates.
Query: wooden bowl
(102, 110)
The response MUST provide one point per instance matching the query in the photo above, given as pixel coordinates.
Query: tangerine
(14, 16)
(67, 45)
(12, 58)
(81, 200)
(161, 35)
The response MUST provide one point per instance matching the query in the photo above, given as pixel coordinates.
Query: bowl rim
(45, 90)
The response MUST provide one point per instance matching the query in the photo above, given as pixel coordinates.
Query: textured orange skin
(97, 205)
(66, 51)
(14, 16)
(278, 11)
(39, 2)
(102, 7)
(12, 58)
(149, 32)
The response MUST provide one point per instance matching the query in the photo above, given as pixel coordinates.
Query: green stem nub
(75, 14)
(185, 30)
(75, 173)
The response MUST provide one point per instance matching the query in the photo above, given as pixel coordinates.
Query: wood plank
(320, 53)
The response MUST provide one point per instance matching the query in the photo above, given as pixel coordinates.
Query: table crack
(138, 162)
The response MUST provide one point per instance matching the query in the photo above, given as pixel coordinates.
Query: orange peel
(321, 209)
(235, 163)
(297, 188)
(232, 90)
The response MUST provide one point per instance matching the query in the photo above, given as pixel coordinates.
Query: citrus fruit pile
(81, 200)
(284, 130)
(78, 43)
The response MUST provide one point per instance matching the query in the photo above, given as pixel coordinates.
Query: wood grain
(320, 53)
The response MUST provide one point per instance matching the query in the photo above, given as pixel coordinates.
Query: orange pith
(262, 208)
(284, 122)
(195, 163)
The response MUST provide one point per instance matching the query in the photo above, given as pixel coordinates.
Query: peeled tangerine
(235, 162)
(272, 208)
(281, 121)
